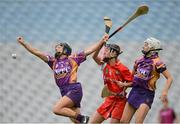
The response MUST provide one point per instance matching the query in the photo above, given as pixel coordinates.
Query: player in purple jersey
(146, 72)
(65, 66)
(167, 114)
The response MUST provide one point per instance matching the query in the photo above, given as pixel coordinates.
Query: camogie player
(146, 72)
(65, 66)
(117, 78)
(167, 114)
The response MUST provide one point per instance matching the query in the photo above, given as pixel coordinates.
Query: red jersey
(118, 72)
(113, 106)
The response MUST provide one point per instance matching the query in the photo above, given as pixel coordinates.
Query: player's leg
(127, 113)
(118, 109)
(72, 95)
(141, 113)
(113, 120)
(63, 107)
(96, 118)
(77, 110)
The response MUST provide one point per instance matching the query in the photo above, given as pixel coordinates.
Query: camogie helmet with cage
(114, 47)
(66, 48)
(153, 44)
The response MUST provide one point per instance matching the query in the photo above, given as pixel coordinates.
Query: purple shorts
(138, 96)
(74, 92)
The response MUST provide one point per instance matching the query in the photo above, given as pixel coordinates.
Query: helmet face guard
(151, 51)
(66, 50)
(112, 48)
(154, 46)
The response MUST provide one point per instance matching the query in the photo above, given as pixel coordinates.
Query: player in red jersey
(116, 78)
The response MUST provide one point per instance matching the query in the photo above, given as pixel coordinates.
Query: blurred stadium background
(27, 88)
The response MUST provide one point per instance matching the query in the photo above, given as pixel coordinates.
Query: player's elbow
(170, 79)
(97, 61)
(87, 52)
(94, 57)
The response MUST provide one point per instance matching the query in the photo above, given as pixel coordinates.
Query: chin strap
(107, 59)
(58, 54)
(148, 52)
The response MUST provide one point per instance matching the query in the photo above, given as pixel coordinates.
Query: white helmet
(153, 43)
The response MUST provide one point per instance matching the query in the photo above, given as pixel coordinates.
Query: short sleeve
(79, 57)
(126, 74)
(50, 61)
(160, 67)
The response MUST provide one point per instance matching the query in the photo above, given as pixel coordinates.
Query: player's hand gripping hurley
(108, 24)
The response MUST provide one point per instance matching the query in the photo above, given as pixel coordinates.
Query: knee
(139, 120)
(123, 120)
(56, 110)
(112, 121)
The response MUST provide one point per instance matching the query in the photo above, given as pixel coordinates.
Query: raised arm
(95, 46)
(120, 83)
(169, 80)
(95, 55)
(32, 50)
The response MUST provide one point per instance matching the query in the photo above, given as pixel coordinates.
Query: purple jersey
(167, 115)
(147, 71)
(65, 70)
